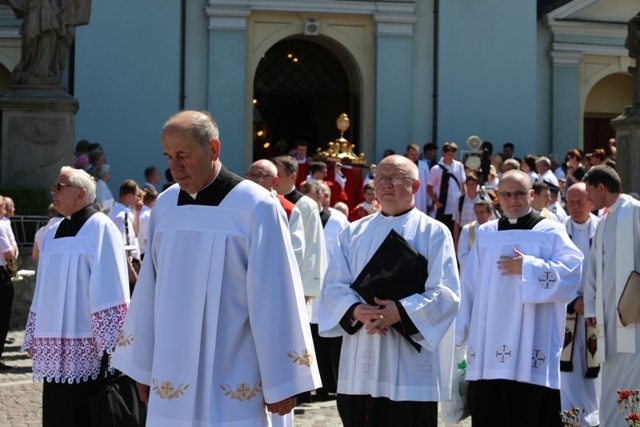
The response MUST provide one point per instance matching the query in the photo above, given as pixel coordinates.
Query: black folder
(395, 271)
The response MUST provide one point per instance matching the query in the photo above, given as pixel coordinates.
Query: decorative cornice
(589, 49)
(394, 25)
(565, 58)
(227, 18)
(587, 28)
(395, 19)
(572, 8)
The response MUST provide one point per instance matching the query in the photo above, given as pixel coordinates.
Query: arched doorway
(300, 88)
(606, 100)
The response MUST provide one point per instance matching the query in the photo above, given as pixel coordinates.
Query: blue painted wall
(127, 82)
(227, 65)
(394, 93)
(487, 84)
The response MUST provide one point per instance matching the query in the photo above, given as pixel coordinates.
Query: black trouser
(505, 403)
(367, 411)
(328, 358)
(6, 302)
(65, 405)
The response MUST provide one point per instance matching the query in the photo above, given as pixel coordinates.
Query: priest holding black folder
(392, 292)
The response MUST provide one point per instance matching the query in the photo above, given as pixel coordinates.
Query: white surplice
(464, 244)
(514, 325)
(80, 301)
(619, 370)
(223, 281)
(389, 366)
(314, 261)
(576, 391)
(421, 196)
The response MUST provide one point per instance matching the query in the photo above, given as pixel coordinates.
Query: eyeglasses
(393, 180)
(504, 195)
(59, 186)
(258, 175)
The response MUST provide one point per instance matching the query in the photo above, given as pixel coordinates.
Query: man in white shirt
(148, 200)
(464, 212)
(8, 251)
(445, 192)
(543, 167)
(421, 197)
(123, 216)
(483, 210)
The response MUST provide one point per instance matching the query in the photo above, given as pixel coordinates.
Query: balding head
(191, 145)
(514, 189)
(401, 162)
(264, 173)
(578, 203)
(396, 182)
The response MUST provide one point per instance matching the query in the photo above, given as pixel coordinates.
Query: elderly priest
(521, 273)
(396, 359)
(80, 301)
(220, 273)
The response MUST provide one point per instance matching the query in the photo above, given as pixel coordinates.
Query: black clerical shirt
(214, 193)
(69, 227)
(525, 222)
(293, 196)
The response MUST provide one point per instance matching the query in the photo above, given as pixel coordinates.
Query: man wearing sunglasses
(519, 276)
(80, 301)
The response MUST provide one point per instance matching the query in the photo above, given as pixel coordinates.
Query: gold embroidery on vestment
(167, 390)
(122, 341)
(242, 393)
(306, 359)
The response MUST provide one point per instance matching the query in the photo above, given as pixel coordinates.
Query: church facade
(547, 77)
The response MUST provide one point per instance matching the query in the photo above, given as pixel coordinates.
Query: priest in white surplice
(580, 385)
(615, 252)
(383, 378)
(521, 273)
(220, 273)
(80, 301)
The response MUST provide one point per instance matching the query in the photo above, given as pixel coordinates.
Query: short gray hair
(81, 179)
(200, 124)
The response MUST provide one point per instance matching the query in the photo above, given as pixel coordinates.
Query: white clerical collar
(194, 195)
(386, 215)
(515, 220)
(290, 191)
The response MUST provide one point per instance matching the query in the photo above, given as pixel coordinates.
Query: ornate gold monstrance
(341, 150)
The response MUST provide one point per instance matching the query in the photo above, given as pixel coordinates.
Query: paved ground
(20, 397)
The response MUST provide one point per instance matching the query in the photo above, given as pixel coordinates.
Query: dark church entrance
(300, 89)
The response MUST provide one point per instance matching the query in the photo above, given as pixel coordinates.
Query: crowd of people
(280, 288)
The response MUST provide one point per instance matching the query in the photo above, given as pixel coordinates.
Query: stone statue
(47, 31)
(633, 44)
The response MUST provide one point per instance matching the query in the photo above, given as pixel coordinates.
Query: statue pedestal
(38, 124)
(627, 127)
